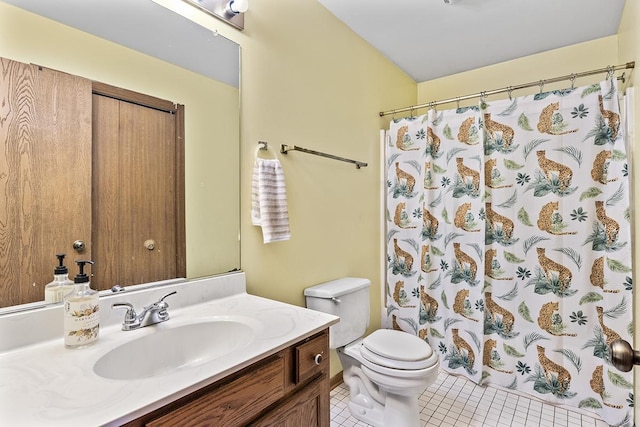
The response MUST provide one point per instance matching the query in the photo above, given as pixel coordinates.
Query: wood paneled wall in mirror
(211, 135)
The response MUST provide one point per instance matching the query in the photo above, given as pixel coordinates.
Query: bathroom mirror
(143, 47)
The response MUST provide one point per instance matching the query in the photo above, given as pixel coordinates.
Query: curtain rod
(540, 83)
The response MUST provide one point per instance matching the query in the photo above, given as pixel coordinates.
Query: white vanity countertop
(44, 384)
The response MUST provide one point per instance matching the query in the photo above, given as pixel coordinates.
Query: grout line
(449, 400)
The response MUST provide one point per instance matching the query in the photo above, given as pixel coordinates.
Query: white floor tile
(456, 402)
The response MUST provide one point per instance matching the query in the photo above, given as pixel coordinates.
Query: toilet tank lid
(338, 287)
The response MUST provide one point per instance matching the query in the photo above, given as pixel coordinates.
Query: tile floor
(456, 402)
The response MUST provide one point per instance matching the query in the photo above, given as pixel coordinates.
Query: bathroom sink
(165, 350)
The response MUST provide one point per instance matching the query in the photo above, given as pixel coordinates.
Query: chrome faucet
(151, 314)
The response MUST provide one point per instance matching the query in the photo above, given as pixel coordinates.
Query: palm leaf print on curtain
(533, 192)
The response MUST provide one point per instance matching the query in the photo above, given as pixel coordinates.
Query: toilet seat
(396, 350)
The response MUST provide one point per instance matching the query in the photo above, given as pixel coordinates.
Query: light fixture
(229, 11)
(237, 6)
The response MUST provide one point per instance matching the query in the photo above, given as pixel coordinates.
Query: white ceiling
(430, 38)
(425, 38)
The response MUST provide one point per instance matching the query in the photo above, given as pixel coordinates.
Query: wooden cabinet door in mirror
(84, 161)
(137, 232)
(45, 175)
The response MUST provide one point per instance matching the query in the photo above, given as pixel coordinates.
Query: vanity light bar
(229, 11)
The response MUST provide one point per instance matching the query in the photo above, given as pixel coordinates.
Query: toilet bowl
(384, 388)
(385, 371)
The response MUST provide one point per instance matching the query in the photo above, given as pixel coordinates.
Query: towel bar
(285, 148)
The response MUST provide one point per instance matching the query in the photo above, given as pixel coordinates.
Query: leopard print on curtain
(509, 245)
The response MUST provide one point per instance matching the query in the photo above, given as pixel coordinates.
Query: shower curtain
(508, 243)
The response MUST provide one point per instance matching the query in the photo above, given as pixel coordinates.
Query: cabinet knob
(623, 357)
(318, 358)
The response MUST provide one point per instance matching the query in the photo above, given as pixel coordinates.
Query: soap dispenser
(61, 285)
(81, 312)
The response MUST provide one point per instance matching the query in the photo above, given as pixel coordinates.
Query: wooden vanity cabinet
(289, 388)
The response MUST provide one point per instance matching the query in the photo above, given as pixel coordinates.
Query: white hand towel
(269, 200)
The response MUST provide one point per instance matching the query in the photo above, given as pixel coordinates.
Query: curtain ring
(458, 103)
(509, 90)
(411, 112)
(541, 85)
(573, 80)
(610, 71)
(483, 96)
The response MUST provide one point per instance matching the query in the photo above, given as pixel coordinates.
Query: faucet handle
(161, 304)
(163, 314)
(168, 295)
(131, 320)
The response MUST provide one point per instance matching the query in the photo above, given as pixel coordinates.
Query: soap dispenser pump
(61, 284)
(81, 312)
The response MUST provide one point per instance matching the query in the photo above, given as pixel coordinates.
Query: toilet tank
(347, 298)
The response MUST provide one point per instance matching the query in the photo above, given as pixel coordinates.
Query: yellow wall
(313, 83)
(559, 62)
(308, 80)
(320, 87)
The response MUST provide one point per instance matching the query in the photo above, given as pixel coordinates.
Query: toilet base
(398, 411)
(369, 415)
(366, 400)
(402, 411)
(381, 401)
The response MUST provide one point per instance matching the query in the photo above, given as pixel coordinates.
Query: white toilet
(385, 371)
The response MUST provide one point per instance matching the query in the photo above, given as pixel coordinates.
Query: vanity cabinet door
(305, 408)
(45, 176)
(263, 394)
(232, 404)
